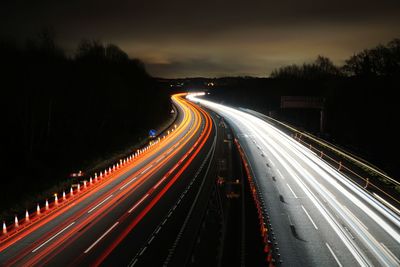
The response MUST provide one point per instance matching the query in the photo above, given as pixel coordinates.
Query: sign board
(302, 102)
(152, 133)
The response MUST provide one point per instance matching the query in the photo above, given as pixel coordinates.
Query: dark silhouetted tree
(378, 61)
(321, 68)
(62, 113)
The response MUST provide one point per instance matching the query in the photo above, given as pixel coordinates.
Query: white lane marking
(353, 248)
(390, 253)
(333, 254)
(101, 237)
(291, 190)
(146, 169)
(280, 174)
(151, 240)
(309, 217)
(100, 203)
(143, 250)
(159, 159)
(159, 182)
(134, 262)
(54, 236)
(137, 204)
(122, 187)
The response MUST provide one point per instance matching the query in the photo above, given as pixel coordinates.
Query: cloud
(212, 37)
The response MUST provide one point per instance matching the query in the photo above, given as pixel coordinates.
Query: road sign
(152, 133)
(302, 102)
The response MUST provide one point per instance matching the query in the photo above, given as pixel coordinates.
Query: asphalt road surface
(318, 216)
(134, 216)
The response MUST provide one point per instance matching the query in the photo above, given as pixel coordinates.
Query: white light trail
(310, 172)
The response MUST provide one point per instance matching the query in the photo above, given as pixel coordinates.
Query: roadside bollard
(26, 216)
(366, 183)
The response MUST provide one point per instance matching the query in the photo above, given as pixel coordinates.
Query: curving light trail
(364, 225)
(95, 217)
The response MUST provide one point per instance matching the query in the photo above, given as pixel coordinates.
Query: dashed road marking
(291, 190)
(138, 203)
(309, 217)
(101, 237)
(100, 203)
(54, 236)
(333, 254)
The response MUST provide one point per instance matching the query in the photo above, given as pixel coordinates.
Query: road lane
(347, 227)
(33, 249)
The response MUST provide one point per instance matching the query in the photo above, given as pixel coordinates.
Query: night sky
(180, 38)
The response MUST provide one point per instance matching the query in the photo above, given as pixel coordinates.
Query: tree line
(361, 100)
(380, 61)
(63, 111)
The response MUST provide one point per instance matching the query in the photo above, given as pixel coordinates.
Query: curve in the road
(177, 150)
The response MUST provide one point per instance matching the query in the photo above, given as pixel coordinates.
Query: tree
(378, 61)
(321, 68)
(114, 54)
(91, 51)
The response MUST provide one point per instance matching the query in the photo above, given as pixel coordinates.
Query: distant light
(191, 95)
(77, 174)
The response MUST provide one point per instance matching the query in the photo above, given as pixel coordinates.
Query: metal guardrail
(343, 168)
(312, 141)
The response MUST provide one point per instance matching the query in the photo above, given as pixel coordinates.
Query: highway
(142, 205)
(318, 217)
